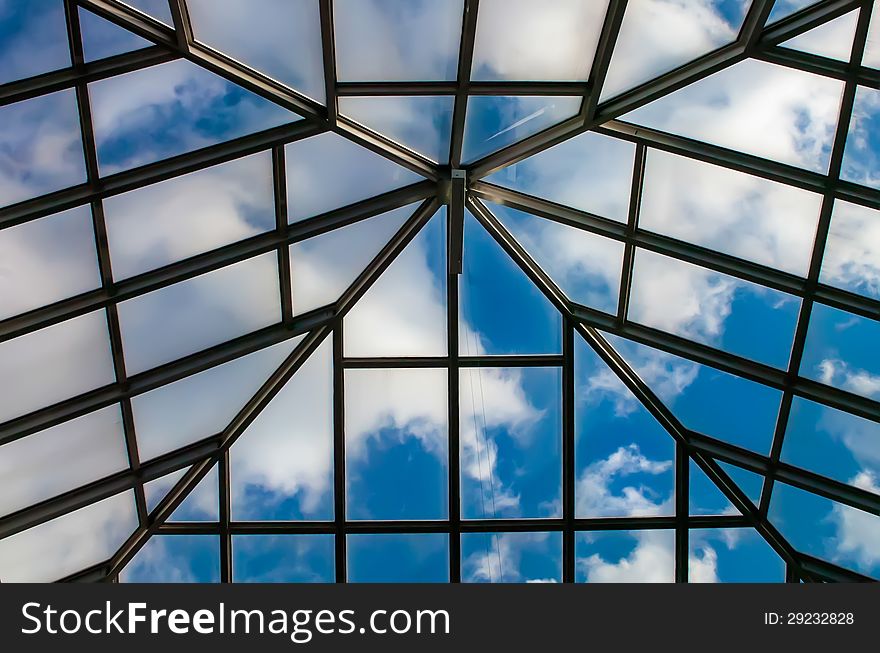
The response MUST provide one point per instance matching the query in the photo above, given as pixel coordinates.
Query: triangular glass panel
(785, 8)
(404, 311)
(833, 39)
(327, 172)
(706, 498)
(321, 268)
(422, 123)
(494, 121)
(623, 456)
(176, 107)
(590, 172)
(203, 404)
(101, 38)
(732, 555)
(157, 9)
(175, 558)
(646, 47)
(203, 501)
(158, 488)
(795, 124)
(281, 40)
(749, 482)
(495, 294)
(871, 56)
(861, 157)
(585, 266)
(282, 465)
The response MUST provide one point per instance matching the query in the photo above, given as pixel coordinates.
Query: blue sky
(396, 428)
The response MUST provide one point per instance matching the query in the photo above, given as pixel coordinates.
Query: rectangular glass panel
(101, 38)
(625, 556)
(732, 555)
(511, 557)
(283, 559)
(175, 559)
(28, 28)
(861, 161)
(398, 558)
(852, 251)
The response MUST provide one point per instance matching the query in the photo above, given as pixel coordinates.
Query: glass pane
(203, 404)
(396, 444)
(28, 28)
(201, 312)
(831, 442)
(624, 459)
(61, 458)
(706, 400)
(41, 147)
(659, 35)
(511, 439)
(157, 489)
(323, 267)
(47, 260)
(750, 483)
(494, 294)
(77, 353)
(861, 161)
(404, 312)
(175, 559)
(792, 114)
(511, 557)
(157, 9)
(841, 351)
(398, 558)
(70, 543)
(706, 498)
(729, 211)
(283, 559)
(202, 504)
(282, 465)
(585, 266)
(833, 39)
(327, 172)
(188, 215)
(625, 557)
(278, 38)
(871, 57)
(818, 526)
(101, 38)
(732, 555)
(589, 172)
(784, 8)
(513, 35)
(422, 123)
(494, 122)
(712, 308)
(852, 251)
(170, 109)
(397, 40)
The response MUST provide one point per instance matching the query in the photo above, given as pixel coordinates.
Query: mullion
(463, 76)
(339, 483)
(569, 444)
(632, 224)
(453, 379)
(279, 186)
(682, 512)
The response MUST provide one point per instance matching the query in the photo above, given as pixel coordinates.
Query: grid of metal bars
(449, 185)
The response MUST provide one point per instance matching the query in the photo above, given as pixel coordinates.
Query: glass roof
(439, 290)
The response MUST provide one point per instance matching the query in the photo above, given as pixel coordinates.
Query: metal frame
(459, 187)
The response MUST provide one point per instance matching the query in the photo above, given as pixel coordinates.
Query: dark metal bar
(225, 494)
(516, 360)
(455, 246)
(339, 482)
(358, 89)
(604, 51)
(328, 54)
(569, 466)
(632, 224)
(682, 512)
(279, 184)
(462, 85)
(182, 24)
(453, 380)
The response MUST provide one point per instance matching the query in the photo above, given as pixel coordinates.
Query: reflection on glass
(201, 312)
(397, 40)
(188, 215)
(732, 555)
(423, 123)
(47, 260)
(584, 265)
(624, 459)
(852, 251)
(833, 39)
(795, 123)
(61, 458)
(77, 352)
(841, 351)
(40, 147)
(861, 161)
(279, 38)
(175, 559)
(511, 557)
(282, 465)
(398, 558)
(553, 40)
(33, 39)
(659, 35)
(322, 267)
(590, 172)
(283, 559)
(101, 38)
(170, 109)
(494, 293)
(70, 543)
(729, 211)
(494, 122)
(712, 308)
(404, 311)
(511, 438)
(328, 171)
(396, 448)
(625, 557)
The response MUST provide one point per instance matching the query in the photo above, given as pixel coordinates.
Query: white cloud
(852, 254)
(651, 561)
(501, 560)
(858, 532)
(594, 497)
(840, 374)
